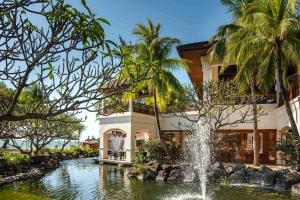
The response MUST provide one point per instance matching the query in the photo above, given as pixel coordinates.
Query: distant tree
(37, 134)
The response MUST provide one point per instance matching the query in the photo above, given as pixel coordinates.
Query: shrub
(81, 151)
(137, 168)
(290, 150)
(14, 159)
(154, 149)
(139, 157)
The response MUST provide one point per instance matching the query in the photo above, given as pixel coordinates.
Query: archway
(114, 141)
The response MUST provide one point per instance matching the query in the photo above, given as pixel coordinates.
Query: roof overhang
(193, 52)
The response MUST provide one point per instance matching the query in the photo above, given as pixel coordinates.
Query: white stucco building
(139, 122)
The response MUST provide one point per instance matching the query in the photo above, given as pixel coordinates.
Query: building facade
(120, 134)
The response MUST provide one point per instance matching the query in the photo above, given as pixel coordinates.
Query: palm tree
(228, 47)
(154, 52)
(278, 40)
(274, 30)
(263, 40)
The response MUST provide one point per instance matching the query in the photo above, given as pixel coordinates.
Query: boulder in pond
(238, 176)
(285, 179)
(154, 166)
(189, 174)
(216, 172)
(160, 176)
(166, 170)
(296, 189)
(232, 168)
(149, 175)
(175, 176)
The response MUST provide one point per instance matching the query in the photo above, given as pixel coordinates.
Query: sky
(188, 20)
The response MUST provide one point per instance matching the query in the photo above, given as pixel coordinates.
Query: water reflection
(81, 179)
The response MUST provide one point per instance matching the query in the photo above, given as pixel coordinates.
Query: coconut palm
(153, 53)
(228, 47)
(272, 30)
(263, 40)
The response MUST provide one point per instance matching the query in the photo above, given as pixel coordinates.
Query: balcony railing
(136, 107)
(142, 108)
(247, 99)
(267, 99)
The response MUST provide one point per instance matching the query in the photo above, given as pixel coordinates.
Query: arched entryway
(114, 141)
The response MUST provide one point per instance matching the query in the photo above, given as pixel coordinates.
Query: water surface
(82, 179)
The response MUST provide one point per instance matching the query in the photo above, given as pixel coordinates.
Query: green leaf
(86, 6)
(51, 76)
(104, 21)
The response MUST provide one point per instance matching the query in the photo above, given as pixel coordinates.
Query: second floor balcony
(131, 107)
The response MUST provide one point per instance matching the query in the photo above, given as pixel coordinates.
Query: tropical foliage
(262, 40)
(290, 151)
(150, 149)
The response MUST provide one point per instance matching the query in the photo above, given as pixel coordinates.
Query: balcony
(135, 107)
(143, 109)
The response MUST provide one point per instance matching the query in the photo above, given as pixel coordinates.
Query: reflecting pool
(82, 179)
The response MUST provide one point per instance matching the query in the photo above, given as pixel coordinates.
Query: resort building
(122, 133)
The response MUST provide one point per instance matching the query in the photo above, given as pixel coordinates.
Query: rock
(141, 177)
(254, 176)
(166, 170)
(264, 176)
(154, 166)
(216, 172)
(296, 189)
(160, 176)
(37, 159)
(238, 176)
(2, 164)
(218, 165)
(189, 174)
(34, 173)
(269, 177)
(234, 167)
(175, 176)
(131, 175)
(285, 179)
(149, 175)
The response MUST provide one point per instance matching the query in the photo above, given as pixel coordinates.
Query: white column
(130, 106)
(206, 69)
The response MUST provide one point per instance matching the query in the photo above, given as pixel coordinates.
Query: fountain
(199, 154)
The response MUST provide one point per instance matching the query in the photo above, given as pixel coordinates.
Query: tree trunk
(282, 90)
(64, 145)
(156, 115)
(255, 125)
(158, 125)
(5, 144)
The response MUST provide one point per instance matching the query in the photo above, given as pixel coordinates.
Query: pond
(82, 179)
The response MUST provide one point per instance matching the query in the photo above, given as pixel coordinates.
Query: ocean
(53, 144)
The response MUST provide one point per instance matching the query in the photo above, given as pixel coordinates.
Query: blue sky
(188, 20)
